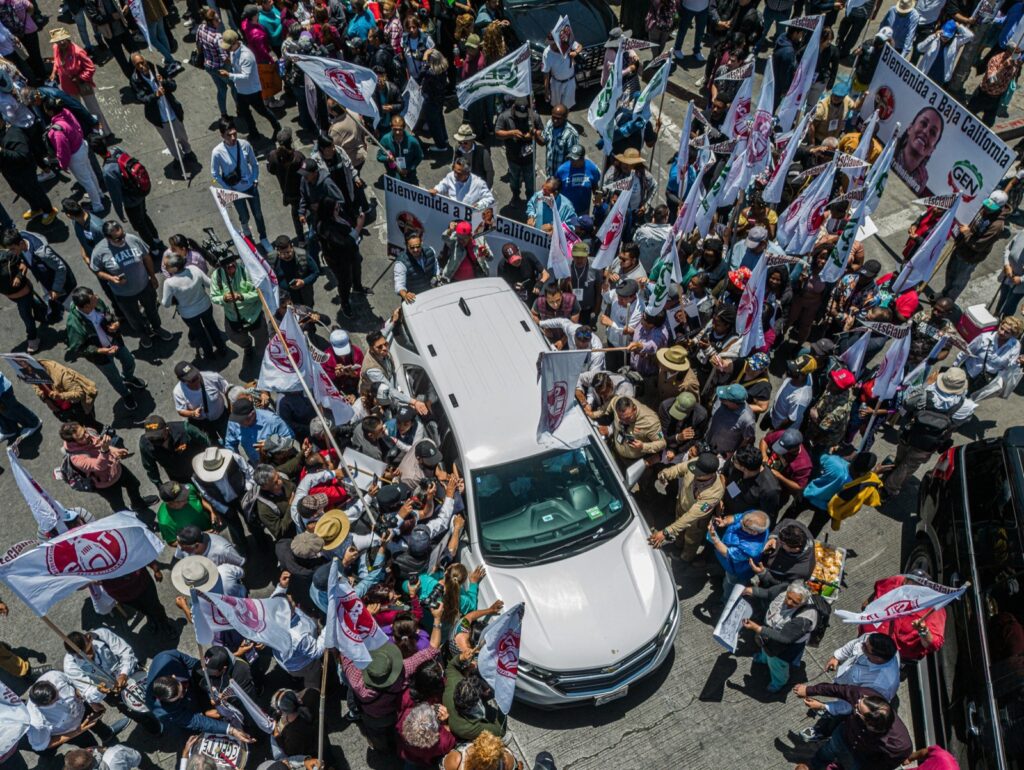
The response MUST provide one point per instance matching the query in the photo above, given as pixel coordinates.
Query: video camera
(216, 252)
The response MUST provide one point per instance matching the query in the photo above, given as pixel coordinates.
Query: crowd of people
(759, 448)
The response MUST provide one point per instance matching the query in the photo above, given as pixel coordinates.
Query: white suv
(556, 528)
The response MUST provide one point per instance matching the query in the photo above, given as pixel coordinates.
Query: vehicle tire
(923, 558)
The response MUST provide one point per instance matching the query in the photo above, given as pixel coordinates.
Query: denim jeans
(222, 90)
(521, 174)
(244, 205)
(140, 310)
(14, 415)
(1007, 302)
(835, 751)
(958, 274)
(158, 38)
(773, 18)
(83, 27)
(700, 22)
(110, 371)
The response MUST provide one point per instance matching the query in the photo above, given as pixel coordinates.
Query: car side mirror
(634, 472)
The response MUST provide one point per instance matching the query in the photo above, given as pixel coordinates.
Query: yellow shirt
(854, 495)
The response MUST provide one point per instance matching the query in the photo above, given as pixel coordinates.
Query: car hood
(591, 609)
(532, 21)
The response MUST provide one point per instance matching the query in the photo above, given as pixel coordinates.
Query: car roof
(480, 345)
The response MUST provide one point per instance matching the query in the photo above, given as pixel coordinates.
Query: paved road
(704, 709)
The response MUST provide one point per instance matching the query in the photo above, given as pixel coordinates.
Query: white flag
(14, 721)
(854, 356)
(798, 226)
(735, 123)
(112, 547)
(688, 210)
(601, 114)
(759, 138)
(840, 254)
(777, 180)
(259, 717)
(350, 627)
(666, 270)
(414, 103)
(890, 372)
(348, 84)
(48, 513)
(498, 662)
(737, 180)
(878, 174)
(558, 372)
(683, 153)
(710, 202)
(922, 264)
(276, 371)
(558, 251)
(509, 75)
(796, 94)
(135, 6)
(749, 315)
(652, 91)
(261, 275)
(264, 621)
(907, 599)
(610, 234)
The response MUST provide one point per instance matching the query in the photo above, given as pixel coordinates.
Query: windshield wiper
(591, 537)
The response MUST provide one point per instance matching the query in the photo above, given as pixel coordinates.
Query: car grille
(592, 58)
(599, 679)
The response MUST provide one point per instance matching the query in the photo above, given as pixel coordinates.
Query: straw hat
(905, 6)
(59, 34)
(194, 572)
(630, 157)
(212, 465)
(333, 527)
(674, 359)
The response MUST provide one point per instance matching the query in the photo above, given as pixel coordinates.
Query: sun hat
(386, 665)
(674, 358)
(905, 6)
(465, 133)
(57, 34)
(952, 381)
(212, 465)
(630, 156)
(333, 527)
(194, 573)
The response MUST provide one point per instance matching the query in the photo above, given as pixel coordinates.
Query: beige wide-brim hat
(630, 157)
(674, 358)
(333, 527)
(58, 34)
(465, 133)
(194, 572)
(212, 465)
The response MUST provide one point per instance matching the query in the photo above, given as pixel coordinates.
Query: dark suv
(969, 696)
(592, 20)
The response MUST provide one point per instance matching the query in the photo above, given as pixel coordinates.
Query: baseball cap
(802, 364)
(682, 405)
(841, 88)
(580, 249)
(183, 370)
(241, 409)
(949, 28)
(154, 426)
(790, 439)
(871, 268)
(756, 236)
(627, 288)
(734, 392)
(705, 464)
(843, 378)
(427, 453)
(275, 443)
(463, 228)
(406, 414)
(228, 39)
(310, 166)
(884, 33)
(391, 496)
(173, 492)
(512, 254)
(576, 152)
(340, 342)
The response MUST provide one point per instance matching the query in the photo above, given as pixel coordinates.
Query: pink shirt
(258, 41)
(66, 137)
(74, 68)
(938, 759)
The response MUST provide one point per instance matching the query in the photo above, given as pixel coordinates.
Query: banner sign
(27, 369)
(412, 209)
(944, 148)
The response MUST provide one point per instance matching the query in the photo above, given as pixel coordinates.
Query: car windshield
(559, 501)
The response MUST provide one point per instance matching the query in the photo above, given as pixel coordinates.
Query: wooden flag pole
(64, 636)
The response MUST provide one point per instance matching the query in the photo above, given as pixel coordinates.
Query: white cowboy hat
(212, 465)
(194, 572)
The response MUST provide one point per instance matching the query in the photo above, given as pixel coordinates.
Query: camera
(436, 596)
(386, 521)
(216, 252)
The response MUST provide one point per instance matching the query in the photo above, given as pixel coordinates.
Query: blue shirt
(741, 547)
(90, 233)
(541, 211)
(578, 183)
(361, 24)
(241, 438)
(179, 713)
(835, 472)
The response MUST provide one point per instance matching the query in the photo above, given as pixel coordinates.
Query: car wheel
(921, 558)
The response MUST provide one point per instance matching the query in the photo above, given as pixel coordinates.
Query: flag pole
(174, 136)
(323, 698)
(319, 412)
(63, 636)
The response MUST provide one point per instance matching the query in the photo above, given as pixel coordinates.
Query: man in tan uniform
(635, 430)
(701, 490)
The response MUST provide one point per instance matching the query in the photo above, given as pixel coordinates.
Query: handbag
(196, 58)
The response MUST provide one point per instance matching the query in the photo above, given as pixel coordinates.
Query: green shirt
(171, 522)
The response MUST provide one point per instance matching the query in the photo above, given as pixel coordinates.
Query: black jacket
(176, 461)
(151, 103)
(16, 155)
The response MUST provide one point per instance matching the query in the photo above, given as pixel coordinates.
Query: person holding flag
(916, 634)
(558, 63)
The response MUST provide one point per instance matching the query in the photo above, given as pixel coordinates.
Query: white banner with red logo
(498, 662)
(610, 234)
(264, 621)
(261, 275)
(944, 147)
(735, 124)
(759, 138)
(14, 721)
(558, 372)
(798, 226)
(749, 315)
(114, 546)
(350, 628)
(348, 84)
(795, 96)
(907, 599)
(48, 513)
(890, 372)
(563, 35)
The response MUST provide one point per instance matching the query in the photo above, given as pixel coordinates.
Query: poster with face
(27, 369)
(942, 148)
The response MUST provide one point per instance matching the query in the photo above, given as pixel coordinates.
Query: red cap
(907, 303)
(463, 228)
(843, 378)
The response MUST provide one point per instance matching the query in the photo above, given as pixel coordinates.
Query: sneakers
(136, 382)
(33, 345)
(699, 57)
(34, 672)
(807, 735)
(679, 55)
(164, 335)
(48, 219)
(31, 214)
(346, 310)
(266, 245)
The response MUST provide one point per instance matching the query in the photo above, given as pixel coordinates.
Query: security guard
(701, 490)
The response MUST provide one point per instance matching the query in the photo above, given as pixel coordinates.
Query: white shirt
(473, 192)
(62, 716)
(651, 239)
(622, 317)
(560, 66)
(595, 361)
(216, 389)
(111, 657)
(856, 669)
(984, 350)
(791, 402)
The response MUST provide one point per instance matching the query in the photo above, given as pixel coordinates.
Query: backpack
(72, 476)
(133, 174)
(929, 429)
(824, 611)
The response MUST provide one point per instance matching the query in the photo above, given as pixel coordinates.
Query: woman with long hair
(295, 721)
(433, 80)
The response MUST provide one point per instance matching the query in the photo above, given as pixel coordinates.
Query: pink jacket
(258, 40)
(65, 135)
(98, 464)
(73, 69)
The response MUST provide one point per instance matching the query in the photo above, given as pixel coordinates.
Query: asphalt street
(703, 710)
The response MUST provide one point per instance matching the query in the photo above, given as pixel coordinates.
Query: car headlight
(535, 672)
(666, 629)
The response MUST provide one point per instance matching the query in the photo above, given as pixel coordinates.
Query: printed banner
(944, 148)
(558, 373)
(27, 369)
(498, 663)
(265, 621)
(509, 75)
(42, 575)
(48, 513)
(412, 209)
(350, 628)
(907, 599)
